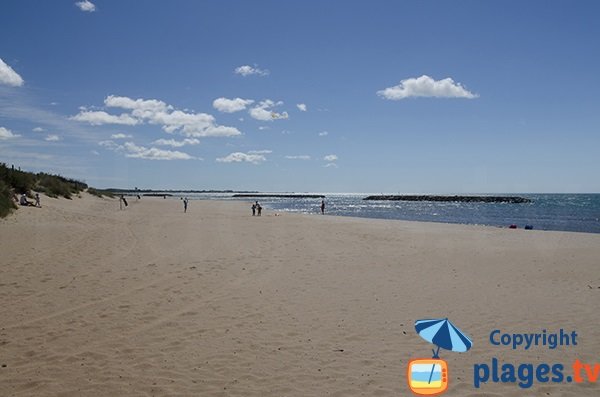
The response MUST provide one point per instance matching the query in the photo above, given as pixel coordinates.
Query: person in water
(322, 207)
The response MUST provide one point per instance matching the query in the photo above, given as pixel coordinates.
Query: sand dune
(214, 302)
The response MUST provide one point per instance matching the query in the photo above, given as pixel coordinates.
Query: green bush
(6, 202)
(20, 181)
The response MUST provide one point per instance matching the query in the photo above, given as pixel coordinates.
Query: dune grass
(14, 182)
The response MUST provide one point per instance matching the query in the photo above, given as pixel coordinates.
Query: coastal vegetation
(14, 182)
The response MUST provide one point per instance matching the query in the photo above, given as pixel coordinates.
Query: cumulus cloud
(330, 157)
(264, 111)
(8, 76)
(323, 133)
(231, 105)
(7, 134)
(86, 6)
(153, 153)
(140, 108)
(247, 70)
(299, 157)
(52, 138)
(38, 129)
(130, 149)
(238, 157)
(301, 106)
(120, 136)
(334, 165)
(100, 117)
(157, 112)
(175, 143)
(425, 86)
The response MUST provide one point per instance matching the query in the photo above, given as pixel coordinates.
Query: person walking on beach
(253, 209)
(37, 200)
(258, 208)
(185, 204)
(323, 207)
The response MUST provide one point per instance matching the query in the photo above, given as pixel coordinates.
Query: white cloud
(86, 6)
(260, 151)
(38, 129)
(300, 157)
(130, 149)
(247, 70)
(334, 165)
(100, 117)
(153, 111)
(425, 86)
(8, 76)
(301, 106)
(279, 116)
(264, 111)
(175, 143)
(323, 133)
(7, 134)
(52, 138)
(231, 105)
(153, 153)
(141, 108)
(263, 127)
(330, 157)
(239, 157)
(95, 153)
(120, 136)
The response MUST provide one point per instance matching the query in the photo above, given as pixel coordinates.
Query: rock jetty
(462, 199)
(279, 195)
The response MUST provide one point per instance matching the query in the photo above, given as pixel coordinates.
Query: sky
(305, 96)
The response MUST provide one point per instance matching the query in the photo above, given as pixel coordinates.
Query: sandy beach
(151, 301)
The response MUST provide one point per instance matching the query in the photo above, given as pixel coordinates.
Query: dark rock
(462, 199)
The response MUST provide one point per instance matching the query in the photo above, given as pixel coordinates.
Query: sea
(564, 212)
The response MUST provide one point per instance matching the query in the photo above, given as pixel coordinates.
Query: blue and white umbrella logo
(442, 333)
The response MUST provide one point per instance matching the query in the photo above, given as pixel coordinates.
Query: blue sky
(330, 96)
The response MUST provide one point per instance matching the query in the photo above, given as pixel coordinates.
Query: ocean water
(566, 212)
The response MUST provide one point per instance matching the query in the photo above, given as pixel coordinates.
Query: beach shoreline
(154, 301)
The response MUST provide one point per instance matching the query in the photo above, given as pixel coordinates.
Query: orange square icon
(427, 376)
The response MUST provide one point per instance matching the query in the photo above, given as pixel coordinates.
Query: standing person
(122, 201)
(259, 208)
(37, 200)
(253, 209)
(185, 204)
(323, 207)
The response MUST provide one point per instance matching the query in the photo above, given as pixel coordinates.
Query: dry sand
(215, 302)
